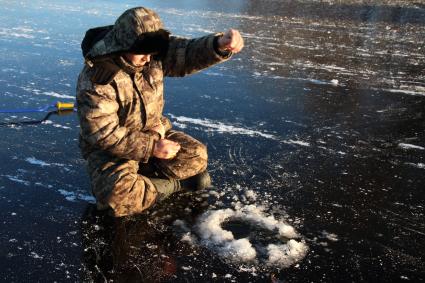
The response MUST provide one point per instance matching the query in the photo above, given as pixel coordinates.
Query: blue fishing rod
(58, 106)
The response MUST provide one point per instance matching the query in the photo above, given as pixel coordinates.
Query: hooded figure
(120, 106)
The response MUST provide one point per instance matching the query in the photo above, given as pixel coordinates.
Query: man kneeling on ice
(134, 157)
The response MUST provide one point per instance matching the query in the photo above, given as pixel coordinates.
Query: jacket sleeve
(100, 128)
(166, 123)
(187, 56)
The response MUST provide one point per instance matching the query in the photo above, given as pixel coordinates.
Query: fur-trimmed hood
(138, 30)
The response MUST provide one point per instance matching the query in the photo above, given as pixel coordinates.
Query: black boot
(198, 182)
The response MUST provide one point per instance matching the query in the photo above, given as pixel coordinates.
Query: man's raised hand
(231, 41)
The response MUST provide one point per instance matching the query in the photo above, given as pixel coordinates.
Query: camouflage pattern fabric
(191, 159)
(117, 185)
(118, 105)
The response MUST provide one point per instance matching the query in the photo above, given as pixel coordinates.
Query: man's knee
(192, 158)
(117, 185)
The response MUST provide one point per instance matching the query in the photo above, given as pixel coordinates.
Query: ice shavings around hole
(187, 236)
(287, 254)
(251, 195)
(209, 227)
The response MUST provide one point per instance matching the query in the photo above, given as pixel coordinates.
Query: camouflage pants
(122, 184)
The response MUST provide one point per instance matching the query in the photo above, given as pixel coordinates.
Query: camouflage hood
(122, 35)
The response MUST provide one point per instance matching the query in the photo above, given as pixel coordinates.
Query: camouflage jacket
(118, 105)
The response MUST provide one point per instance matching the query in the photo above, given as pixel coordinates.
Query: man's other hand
(231, 41)
(165, 149)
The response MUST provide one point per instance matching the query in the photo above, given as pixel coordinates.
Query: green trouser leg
(167, 187)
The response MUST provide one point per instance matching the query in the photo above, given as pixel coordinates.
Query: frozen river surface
(315, 135)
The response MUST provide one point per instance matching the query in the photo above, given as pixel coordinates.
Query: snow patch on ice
(410, 146)
(61, 126)
(334, 82)
(179, 125)
(74, 196)
(220, 127)
(330, 236)
(34, 161)
(11, 70)
(316, 81)
(216, 74)
(287, 254)
(408, 92)
(49, 122)
(250, 195)
(35, 255)
(206, 14)
(189, 238)
(17, 32)
(16, 180)
(64, 62)
(55, 94)
(419, 165)
(297, 142)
